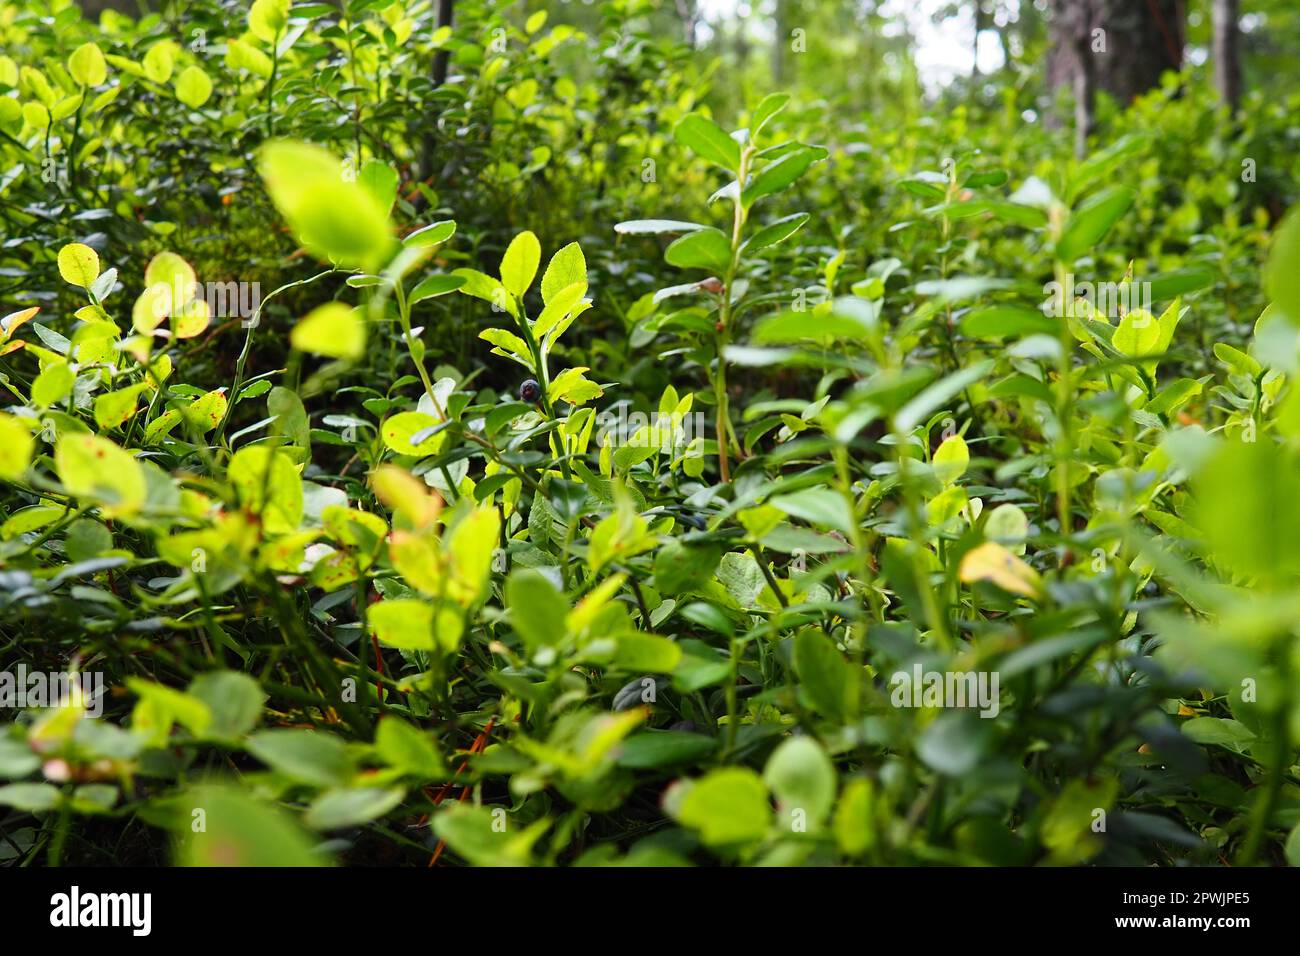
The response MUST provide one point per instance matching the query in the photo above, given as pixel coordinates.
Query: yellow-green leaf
(53, 385)
(95, 468)
(951, 459)
(79, 264)
(87, 65)
(334, 329)
(193, 87)
(16, 447)
(519, 264)
(404, 623)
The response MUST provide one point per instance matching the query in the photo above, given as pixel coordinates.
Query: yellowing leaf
(400, 431)
(406, 496)
(93, 467)
(114, 408)
(191, 319)
(418, 559)
(16, 447)
(334, 330)
(268, 485)
(994, 563)
(78, 264)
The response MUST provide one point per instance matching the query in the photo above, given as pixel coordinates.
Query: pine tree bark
(1227, 51)
(1119, 46)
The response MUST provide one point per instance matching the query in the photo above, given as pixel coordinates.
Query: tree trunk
(1227, 52)
(781, 31)
(1120, 46)
(442, 57)
(686, 10)
(441, 64)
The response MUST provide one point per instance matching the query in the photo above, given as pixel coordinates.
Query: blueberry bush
(527, 440)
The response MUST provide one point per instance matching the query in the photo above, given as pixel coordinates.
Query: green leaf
(818, 505)
(652, 227)
(1005, 321)
(519, 264)
(654, 749)
(304, 756)
(193, 87)
(951, 459)
(352, 807)
(473, 832)
(642, 653)
(778, 175)
(400, 430)
(159, 62)
(17, 759)
(434, 285)
(29, 797)
(380, 180)
(235, 701)
(483, 286)
(239, 831)
(934, 396)
(1089, 224)
(1220, 732)
(114, 408)
(682, 567)
(567, 267)
(53, 385)
(778, 231)
(537, 609)
(824, 675)
(768, 107)
(804, 781)
(432, 234)
(728, 806)
(561, 305)
(954, 743)
(1246, 510)
(707, 248)
(708, 140)
(1137, 334)
(407, 749)
(1282, 273)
